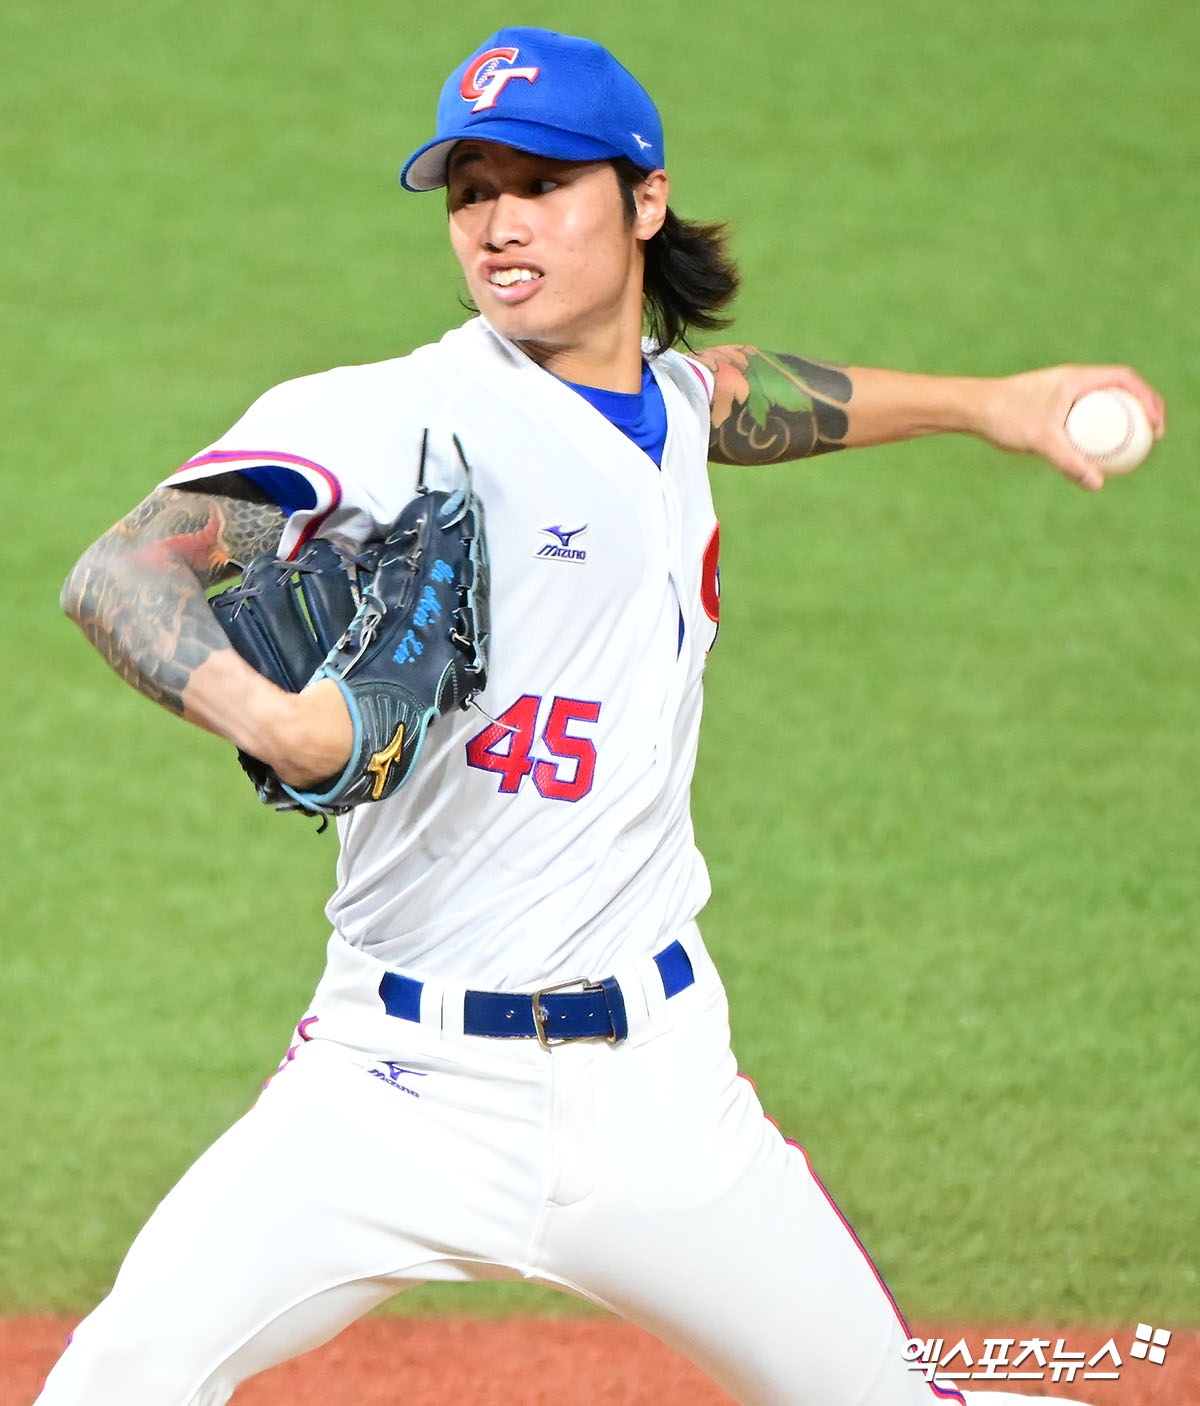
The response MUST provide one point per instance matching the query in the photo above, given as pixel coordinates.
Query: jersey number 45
(506, 745)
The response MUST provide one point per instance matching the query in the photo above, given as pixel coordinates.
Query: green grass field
(948, 771)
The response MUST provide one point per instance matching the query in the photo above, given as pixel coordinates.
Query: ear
(650, 200)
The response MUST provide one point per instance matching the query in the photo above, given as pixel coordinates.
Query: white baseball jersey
(559, 845)
(640, 1174)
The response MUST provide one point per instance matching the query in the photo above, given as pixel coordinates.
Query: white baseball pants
(642, 1176)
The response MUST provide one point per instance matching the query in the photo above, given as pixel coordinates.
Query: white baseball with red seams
(1111, 428)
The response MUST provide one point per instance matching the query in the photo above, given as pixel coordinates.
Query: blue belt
(593, 1011)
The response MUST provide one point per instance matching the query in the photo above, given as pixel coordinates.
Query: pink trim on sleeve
(231, 457)
(308, 532)
(708, 383)
(254, 458)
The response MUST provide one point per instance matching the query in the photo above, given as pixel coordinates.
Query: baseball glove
(401, 627)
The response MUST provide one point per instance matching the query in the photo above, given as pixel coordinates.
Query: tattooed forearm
(769, 406)
(153, 629)
(138, 592)
(216, 529)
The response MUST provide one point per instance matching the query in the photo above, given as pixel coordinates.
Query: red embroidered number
(515, 726)
(560, 744)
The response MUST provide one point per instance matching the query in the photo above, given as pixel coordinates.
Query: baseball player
(517, 1062)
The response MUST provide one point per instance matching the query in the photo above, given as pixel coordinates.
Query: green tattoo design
(791, 408)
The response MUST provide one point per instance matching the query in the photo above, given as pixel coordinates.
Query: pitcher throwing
(517, 1063)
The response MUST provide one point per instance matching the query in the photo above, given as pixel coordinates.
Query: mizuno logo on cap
(484, 80)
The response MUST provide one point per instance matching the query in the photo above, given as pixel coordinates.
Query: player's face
(550, 255)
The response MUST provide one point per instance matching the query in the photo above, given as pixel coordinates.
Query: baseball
(1111, 428)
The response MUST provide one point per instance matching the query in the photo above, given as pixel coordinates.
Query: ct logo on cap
(484, 80)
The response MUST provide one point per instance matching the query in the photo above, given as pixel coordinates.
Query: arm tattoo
(138, 593)
(769, 406)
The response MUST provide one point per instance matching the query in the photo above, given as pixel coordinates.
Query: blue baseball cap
(545, 93)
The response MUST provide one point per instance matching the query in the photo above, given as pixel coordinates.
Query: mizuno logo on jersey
(484, 80)
(560, 549)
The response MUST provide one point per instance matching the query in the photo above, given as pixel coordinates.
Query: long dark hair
(689, 275)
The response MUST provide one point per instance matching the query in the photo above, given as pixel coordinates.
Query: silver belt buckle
(541, 1014)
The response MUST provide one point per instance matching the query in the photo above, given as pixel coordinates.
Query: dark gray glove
(402, 628)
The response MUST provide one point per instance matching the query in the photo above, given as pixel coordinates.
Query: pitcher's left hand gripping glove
(402, 628)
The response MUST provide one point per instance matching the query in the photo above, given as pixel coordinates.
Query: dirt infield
(470, 1362)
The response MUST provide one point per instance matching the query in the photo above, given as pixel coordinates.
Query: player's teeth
(505, 277)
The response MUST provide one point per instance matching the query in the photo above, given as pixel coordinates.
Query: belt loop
(636, 984)
(675, 968)
(615, 1003)
(449, 1008)
(401, 996)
